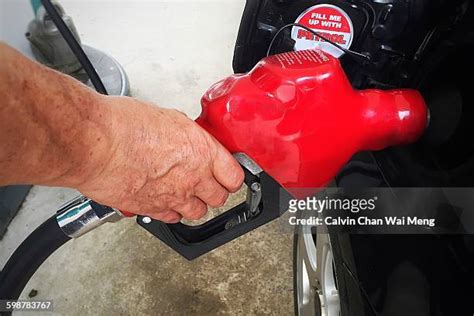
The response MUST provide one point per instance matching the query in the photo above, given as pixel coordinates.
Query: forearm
(52, 127)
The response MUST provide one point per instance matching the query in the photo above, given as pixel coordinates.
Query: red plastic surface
(298, 117)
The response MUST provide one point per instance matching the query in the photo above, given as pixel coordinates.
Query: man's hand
(161, 164)
(118, 151)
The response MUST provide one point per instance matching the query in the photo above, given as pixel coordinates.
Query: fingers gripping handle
(261, 206)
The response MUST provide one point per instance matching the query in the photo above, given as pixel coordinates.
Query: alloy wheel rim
(316, 285)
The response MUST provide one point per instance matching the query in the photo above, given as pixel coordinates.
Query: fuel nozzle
(292, 122)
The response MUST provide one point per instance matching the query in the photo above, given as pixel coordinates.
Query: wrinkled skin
(163, 165)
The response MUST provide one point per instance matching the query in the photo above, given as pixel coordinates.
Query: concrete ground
(172, 51)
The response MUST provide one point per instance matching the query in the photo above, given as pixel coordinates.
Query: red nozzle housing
(298, 117)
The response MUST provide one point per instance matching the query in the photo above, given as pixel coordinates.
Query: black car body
(421, 44)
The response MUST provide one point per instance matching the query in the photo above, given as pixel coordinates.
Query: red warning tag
(329, 21)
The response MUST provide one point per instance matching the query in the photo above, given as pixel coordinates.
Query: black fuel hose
(27, 258)
(75, 46)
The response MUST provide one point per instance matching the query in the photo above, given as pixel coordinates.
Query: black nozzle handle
(194, 241)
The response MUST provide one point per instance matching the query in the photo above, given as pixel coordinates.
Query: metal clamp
(81, 215)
